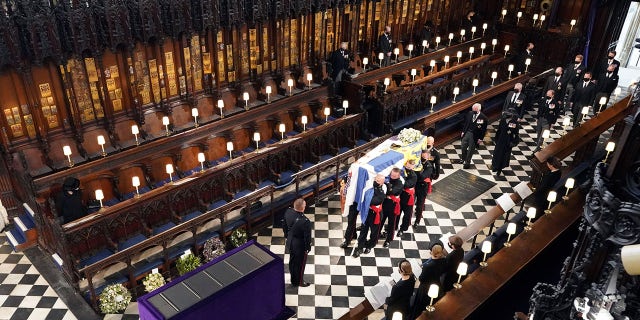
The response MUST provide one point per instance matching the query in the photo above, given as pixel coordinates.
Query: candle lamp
(101, 142)
(135, 181)
(504, 13)
(484, 28)
(494, 75)
(535, 18)
(425, 45)
(267, 90)
(169, 170)
(511, 230)
(542, 18)
(387, 81)
(365, 61)
(510, 69)
(545, 135)
(569, 184)
(551, 198)
(201, 160)
(494, 42)
(506, 50)
(482, 47)
(433, 102)
(230, 149)
(282, 129)
(194, 114)
(256, 138)
(135, 131)
(462, 269)
(446, 61)
(99, 197)
(519, 15)
(245, 97)
(327, 112)
(437, 42)
(450, 38)
(473, 31)
(396, 316)
(486, 249)
(345, 105)
(410, 48)
(165, 123)
(381, 57)
(432, 293)
(459, 55)
(310, 77)
(565, 123)
(584, 112)
(602, 102)
(617, 92)
(527, 62)
(396, 51)
(303, 119)
(573, 24)
(474, 83)
(471, 51)
(413, 75)
(531, 213)
(290, 85)
(456, 92)
(66, 150)
(221, 107)
(609, 148)
(463, 32)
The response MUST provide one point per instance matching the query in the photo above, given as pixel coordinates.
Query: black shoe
(415, 225)
(358, 228)
(344, 244)
(305, 284)
(357, 253)
(459, 161)
(383, 234)
(466, 166)
(400, 233)
(367, 250)
(386, 244)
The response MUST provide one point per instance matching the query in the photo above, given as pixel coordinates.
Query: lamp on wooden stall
(511, 230)
(602, 102)
(135, 131)
(551, 198)
(267, 90)
(135, 181)
(256, 138)
(527, 62)
(545, 135)
(380, 57)
(510, 69)
(494, 42)
(230, 149)
(568, 185)
(617, 92)
(494, 75)
(282, 129)
(327, 112)
(484, 28)
(446, 61)
(365, 61)
(474, 83)
(609, 148)
(169, 169)
(245, 97)
(573, 24)
(414, 72)
(101, 142)
(473, 31)
(450, 38)
(410, 48)
(194, 114)
(345, 106)
(432, 64)
(584, 112)
(425, 45)
(462, 33)
(456, 92)
(66, 150)
(506, 50)
(482, 47)
(437, 42)
(309, 78)
(531, 213)
(387, 81)
(433, 292)
(471, 51)
(565, 123)
(462, 269)
(99, 197)
(535, 18)
(433, 101)
(304, 120)
(542, 18)
(290, 85)
(459, 55)
(165, 123)
(486, 249)
(221, 107)
(201, 160)
(519, 15)
(397, 316)
(504, 13)
(396, 51)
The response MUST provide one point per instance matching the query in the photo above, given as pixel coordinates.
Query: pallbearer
(429, 171)
(370, 213)
(391, 205)
(407, 197)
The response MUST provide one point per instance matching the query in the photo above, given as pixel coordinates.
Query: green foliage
(188, 263)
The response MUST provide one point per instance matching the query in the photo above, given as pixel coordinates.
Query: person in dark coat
(583, 95)
(475, 126)
(603, 65)
(69, 201)
(430, 171)
(391, 206)
(469, 21)
(453, 259)
(400, 297)
(572, 75)
(426, 33)
(408, 195)
(370, 213)
(514, 103)
(432, 269)
(556, 83)
(547, 183)
(548, 113)
(507, 137)
(384, 46)
(607, 82)
(340, 62)
(297, 230)
(522, 57)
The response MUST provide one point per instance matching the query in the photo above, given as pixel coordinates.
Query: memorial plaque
(458, 188)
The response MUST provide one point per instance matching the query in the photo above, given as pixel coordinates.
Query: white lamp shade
(365, 60)
(494, 75)
(630, 256)
(327, 111)
(472, 49)
(603, 100)
(221, 104)
(245, 96)
(566, 121)
(309, 76)
(542, 17)
(66, 150)
(569, 183)
(256, 136)
(425, 43)
(135, 181)
(510, 67)
(437, 39)
(494, 42)
(304, 119)
(459, 54)
(527, 61)
(546, 133)
(290, 82)
(345, 104)
(433, 99)
(387, 81)
(267, 89)
(396, 316)
(483, 45)
(519, 15)
(200, 157)
(551, 197)
(475, 82)
(450, 36)
(165, 121)
(446, 59)
(473, 29)
(531, 213)
(169, 168)
(617, 91)
(134, 129)
(573, 22)
(456, 90)
(463, 268)
(535, 16)
(463, 32)
(585, 110)
(396, 51)
(414, 72)
(229, 146)
(506, 47)
(381, 56)
(486, 246)
(484, 26)
(504, 12)
(194, 112)
(101, 140)
(511, 228)
(410, 47)
(610, 146)
(281, 128)
(433, 291)
(99, 194)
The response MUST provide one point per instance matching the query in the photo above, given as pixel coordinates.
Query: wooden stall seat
(111, 274)
(125, 137)
(101, 181)
(158, 170)
(125, 181)
(188, 160)
(91, 145)
(153, 124)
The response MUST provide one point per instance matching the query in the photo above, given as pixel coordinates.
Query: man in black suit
(556, 83)
(514, 101)
(475, 126)
(391, 206)
(607, 82)
(583, 96)
(610, 60)
(573, 72)
(408, 195)
(371, 215)
(430, 162)
(426, 33)
(297, 230)
(547, 183)
(384, 46)
(453, 259)
(469, 21)
(548, 113)
(527, 53)
(340, 62)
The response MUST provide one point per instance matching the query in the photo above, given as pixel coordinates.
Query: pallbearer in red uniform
(370, 213)
(430, 161)
(391, 205)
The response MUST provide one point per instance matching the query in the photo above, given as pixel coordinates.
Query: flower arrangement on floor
(238, 237)
(153, 281)
(114, 299)
(409, 136)
(213, 248)
(187, 263)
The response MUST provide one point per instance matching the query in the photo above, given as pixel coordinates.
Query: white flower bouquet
(114, 299)
(153, 281)
(409, 135)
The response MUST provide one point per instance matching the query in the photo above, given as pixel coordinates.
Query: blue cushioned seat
(131, 241)
(102, 254)
(216, 204)
(190, 215)
(164, 227)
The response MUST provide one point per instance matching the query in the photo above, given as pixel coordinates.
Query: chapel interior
(188, 120)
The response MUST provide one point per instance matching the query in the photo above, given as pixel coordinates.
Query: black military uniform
(372, 221)
(548, 113)
(297, 230)
(391, 209)
(430, 170)
(407, 199)
(475, 126)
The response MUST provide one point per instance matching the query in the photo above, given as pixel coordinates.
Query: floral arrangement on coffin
(213, 248)
(114, 299)
(409, 135)
(238, 237)
(153, 281)
(187, 263)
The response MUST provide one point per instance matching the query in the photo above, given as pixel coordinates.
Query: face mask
(611, 57)
(548, 97)
(558, 74)
(577, 62)
(517, 90)
(429, 146)
(586, 79)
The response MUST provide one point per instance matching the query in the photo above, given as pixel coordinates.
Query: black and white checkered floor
(338, 280)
